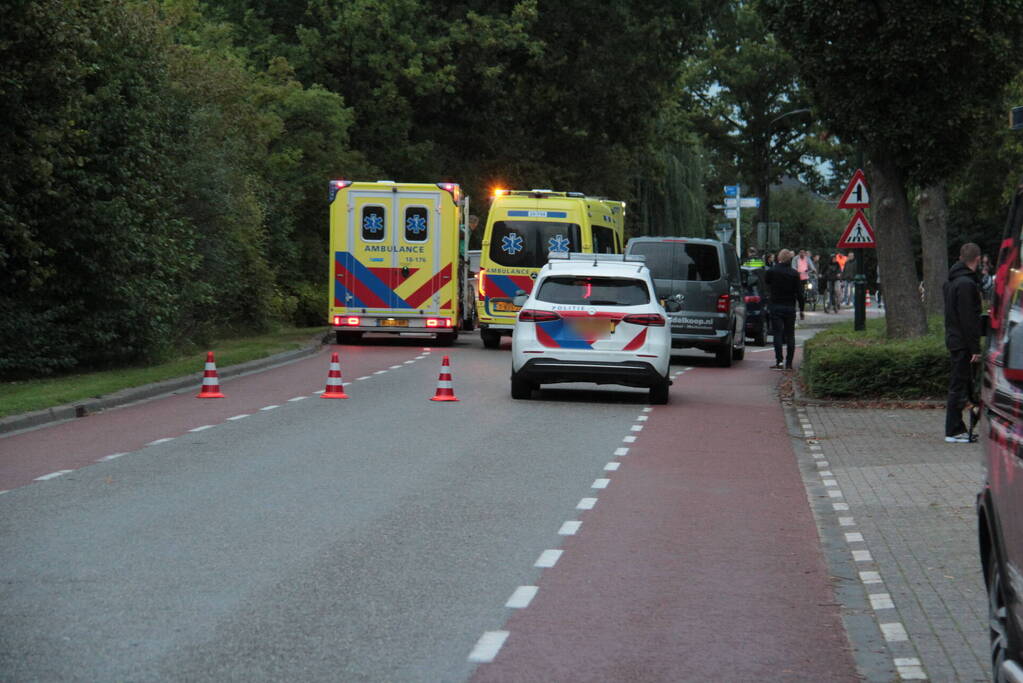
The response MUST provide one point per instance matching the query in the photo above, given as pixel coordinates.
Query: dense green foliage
(165, 163)
(842, 364)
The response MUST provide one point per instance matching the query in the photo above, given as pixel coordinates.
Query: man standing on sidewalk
(962, 336)
(784, 291)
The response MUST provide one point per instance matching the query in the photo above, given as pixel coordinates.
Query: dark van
(1000, 502)
(700, 283)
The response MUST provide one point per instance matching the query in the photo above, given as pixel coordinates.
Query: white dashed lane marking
(612, 466)
(112, 456)
(488, 646)
(239, 417)
(548, 559)
(854, 537)
(205, 427)
(569, 528)
(881, 601)
(359, 379)
(894, 632)
(629, 439)
(621, 451)
(636, 428)
(297, 398)
(586, 504)
(160, 441)
(600, 483)
(269, 407)
(870, 578)
(521, 598)
(53, 475)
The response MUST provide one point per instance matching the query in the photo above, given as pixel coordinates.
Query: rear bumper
(709, 339)
(626, 373)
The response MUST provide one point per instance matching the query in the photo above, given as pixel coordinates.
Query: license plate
(594, 327)
(506, 307)
(393, 322)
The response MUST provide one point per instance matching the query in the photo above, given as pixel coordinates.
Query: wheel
(446, 338)
(659, 393)
(999, 626)
(491, 339)
(739, 354)
(349, 337)
(723, 356)
(761, 338)
(521, 389)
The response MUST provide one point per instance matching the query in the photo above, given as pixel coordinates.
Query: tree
(908, 82)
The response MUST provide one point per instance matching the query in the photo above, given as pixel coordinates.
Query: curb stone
(82, 408)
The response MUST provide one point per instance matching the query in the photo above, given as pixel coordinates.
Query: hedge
(840, 363)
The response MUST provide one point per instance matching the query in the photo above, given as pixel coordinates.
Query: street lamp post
(765, 208)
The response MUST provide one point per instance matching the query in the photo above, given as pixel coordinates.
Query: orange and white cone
(444, 390)
(335, 389)
(210, 380)
(868, 298)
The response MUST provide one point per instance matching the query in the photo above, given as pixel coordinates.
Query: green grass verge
(840, 363)
(23, 397)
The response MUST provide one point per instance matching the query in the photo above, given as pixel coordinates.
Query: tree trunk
(933, 220)
(892, 225)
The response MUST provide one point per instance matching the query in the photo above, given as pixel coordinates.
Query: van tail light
(346, 320)
(724, 303)
(438, 322)
(530, 315)
(754, 299)
(480, 286)
(647, 319)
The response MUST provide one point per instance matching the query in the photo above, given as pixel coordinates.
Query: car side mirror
(520, 298)
(1014, 354)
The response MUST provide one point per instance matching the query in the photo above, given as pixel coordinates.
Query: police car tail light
(438, 322)
(753, 299)
(648, 319)
(724, 303)
(349, 320)
(530, 315)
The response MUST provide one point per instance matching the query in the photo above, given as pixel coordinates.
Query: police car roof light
(578, 255)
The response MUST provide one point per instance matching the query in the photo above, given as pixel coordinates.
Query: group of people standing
(833, 277)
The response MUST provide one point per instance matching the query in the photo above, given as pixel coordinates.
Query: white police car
(592, 318)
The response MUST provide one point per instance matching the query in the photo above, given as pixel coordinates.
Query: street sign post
(858, 235)
(724, 234)
(731, 191)
(733, 206)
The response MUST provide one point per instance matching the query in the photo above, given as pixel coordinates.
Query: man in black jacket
(785, 292)
(962, 336)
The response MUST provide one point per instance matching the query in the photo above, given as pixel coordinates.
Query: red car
(1000, 502)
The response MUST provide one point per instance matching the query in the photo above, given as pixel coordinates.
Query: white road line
(297, 398)
(488, 646)
(586, 504)
(548, 558)
(830, 482)
(112, 456)
(521, 598)
(427, 348)
(4, 491)
(854, 537)
(379, 372)
(269, 407)
(621, 451)
(359, 379)
(648, 409)
(629, 439)
(420, 357)
(825, 473)
(317, 393)
(814, 447)
(636, 428)
(862, 556)
(834, 494)
(160, 441)
(569, 528)
(642, 418)
(809, 434)
(600, 483)
(202, 429)
(881, 601)
(894, 632)
(817, 456)
(239, 417)
(846, 521)
(840, 507)
(53, 475)
(408, 362)
(394, 367)
(612, 466)
(909, 669)
(821, 464)
(870, 577)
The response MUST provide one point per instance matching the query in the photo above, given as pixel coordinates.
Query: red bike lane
(699, 562)
(76, 443)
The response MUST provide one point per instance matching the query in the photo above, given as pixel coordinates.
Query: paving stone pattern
(912, 497)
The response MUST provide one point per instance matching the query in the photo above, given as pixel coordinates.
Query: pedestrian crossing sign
(858, 234)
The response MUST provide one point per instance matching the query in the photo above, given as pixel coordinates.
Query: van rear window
(525, 244)
(680, 260)
(593, 291)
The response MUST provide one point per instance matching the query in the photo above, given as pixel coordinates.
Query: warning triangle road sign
(858, 234)
(856, 195)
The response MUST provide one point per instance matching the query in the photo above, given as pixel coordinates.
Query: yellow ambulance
(396, 264)
(523, 227)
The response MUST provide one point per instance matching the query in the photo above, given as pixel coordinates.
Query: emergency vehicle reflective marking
(297, 398)
(862, 556)
(53, 475)
(612, 466)
(160, 441)
(854, 537)
(870, 577)
(569, 528)
(894, 632)
(112, 456)
(600, 483)
(488, 646)
(238, 417)
(840, 507)
(621, 451)
(537, 214)
(205, 427)
(548, 559)
(269, 407)
(846, 521)
(586, 503)
(521, 598)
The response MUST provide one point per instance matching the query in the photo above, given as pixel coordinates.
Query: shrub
(840, 363)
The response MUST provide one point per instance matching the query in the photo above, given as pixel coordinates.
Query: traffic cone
(868, 298)
(335, 389)
(444, 390)
(210, 380)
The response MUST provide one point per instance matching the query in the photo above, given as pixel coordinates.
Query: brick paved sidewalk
(903, 501)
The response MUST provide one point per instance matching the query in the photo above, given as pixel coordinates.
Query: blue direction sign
(731, 190)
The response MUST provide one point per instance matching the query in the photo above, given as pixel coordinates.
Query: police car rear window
(680, 260)
(525, 244)
(593, 291)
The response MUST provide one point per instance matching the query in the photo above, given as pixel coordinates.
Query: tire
(739, 354)
(521, 390)
(999, 623)
(659, 393)
(349, 337)
(761, 338)
(723, 356)
(446, 338)
(491, 339)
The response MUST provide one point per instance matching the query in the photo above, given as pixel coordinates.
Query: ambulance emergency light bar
(535, 193)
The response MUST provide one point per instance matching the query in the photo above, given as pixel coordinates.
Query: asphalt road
(273, 535)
